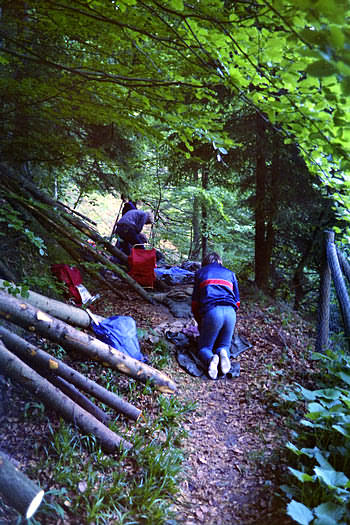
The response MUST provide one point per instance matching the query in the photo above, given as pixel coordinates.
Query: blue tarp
(120, 332)
(174, 275)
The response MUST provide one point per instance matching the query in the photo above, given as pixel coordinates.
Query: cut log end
(166, 389)
(18, 491)
(34, 505)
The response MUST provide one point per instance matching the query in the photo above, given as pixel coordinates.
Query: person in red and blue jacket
(215, 300)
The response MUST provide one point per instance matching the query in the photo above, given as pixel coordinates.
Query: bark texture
(52, 397)
(65, 312)
(18, 490)
(35, 320)
(47, 364)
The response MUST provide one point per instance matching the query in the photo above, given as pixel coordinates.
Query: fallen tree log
(18, 490)
(77, 257)
(82, 227)
(31, 354)
(42, 216)
(73, 393)
(76, 213)
(65, 312)
(52, 397)
(74, 221)
(35, 320)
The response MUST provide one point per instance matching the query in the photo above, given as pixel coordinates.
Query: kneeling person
(215, 301)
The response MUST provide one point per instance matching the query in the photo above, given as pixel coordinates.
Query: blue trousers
(216, 331)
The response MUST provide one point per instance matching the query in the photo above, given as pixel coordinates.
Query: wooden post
(324, 302)
(340, 286)
(344, 265)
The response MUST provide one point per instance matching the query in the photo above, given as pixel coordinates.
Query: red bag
(141, 266)
(72, 277)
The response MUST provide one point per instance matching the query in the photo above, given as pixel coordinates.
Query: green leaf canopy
(152, 67)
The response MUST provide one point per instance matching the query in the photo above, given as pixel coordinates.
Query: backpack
(71, 276)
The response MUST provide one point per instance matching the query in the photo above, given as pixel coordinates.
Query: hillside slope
(235, 436)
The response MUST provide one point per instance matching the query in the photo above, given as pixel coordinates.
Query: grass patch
(132, 487)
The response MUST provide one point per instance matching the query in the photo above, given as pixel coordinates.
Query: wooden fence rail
(334, 265)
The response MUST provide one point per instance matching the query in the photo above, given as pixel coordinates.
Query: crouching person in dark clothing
(215, 301)
(129, 228)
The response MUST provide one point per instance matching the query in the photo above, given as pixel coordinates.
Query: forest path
(235, 437)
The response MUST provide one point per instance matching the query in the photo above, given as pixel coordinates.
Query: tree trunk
(204, 221)
(65, 312)
(298, 277)
(18, 490)
(31, 354)
(196, 241)
(31, 318)
(59, 402)
(73, 393)
(262, 257)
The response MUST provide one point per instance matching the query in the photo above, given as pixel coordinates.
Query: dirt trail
(235, 437)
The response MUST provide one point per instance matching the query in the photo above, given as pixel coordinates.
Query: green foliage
(12, 219)
(34, 409)
(95, 98)
(161, 356)
(15, 290)
(79, 84)
(45, 283)
(137, 486)
(319, 487)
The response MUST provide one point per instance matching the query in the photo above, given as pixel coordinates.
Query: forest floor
(235, 447)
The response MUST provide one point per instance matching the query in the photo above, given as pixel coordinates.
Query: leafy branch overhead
(66, 66)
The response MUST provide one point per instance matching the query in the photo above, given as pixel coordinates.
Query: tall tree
(67, 66)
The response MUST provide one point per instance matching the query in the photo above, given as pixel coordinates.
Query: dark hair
(211, 258)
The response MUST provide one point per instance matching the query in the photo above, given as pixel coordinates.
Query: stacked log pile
(54, 382)
(71, 232)
(39, 372)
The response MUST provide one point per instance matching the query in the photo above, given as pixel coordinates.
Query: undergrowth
(318, 485)
(130, 487)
